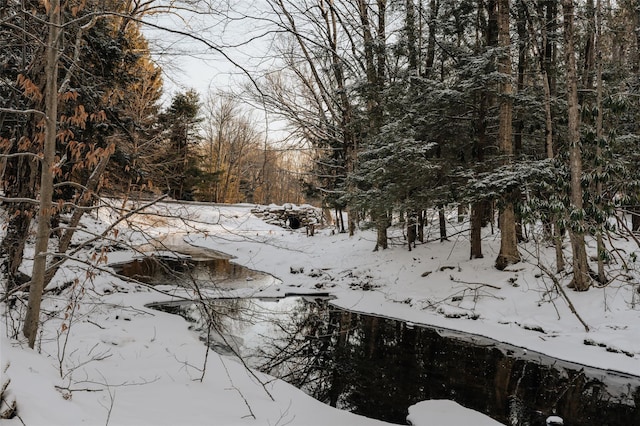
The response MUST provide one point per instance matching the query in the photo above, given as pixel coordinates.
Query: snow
(446, 413)
(105, 358)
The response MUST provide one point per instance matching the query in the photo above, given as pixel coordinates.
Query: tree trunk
(375, 68)
(443, 223)
(550, 29)
(382, 223)
(589, 47)
(480, 210)
(477, 213)
(462, 210)
(412, 229)
(547, 67)
(339, 220)
(558, 236)
(581, 280)
(508, 238)
(32, 317)
(602, 279)
(523, 40)
(522, 65)
(348, 139)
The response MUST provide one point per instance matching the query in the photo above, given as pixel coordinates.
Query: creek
(378, 367)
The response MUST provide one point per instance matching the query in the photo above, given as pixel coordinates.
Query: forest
(517, 113)
(409, 125)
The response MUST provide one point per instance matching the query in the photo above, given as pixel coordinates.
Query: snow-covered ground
(104, 358)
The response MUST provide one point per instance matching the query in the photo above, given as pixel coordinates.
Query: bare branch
(22, 154)
(22, 111)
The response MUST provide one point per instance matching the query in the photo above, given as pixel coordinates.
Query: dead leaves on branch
(29, 88)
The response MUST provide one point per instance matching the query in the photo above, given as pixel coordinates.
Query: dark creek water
(378, 367)
(187, 271)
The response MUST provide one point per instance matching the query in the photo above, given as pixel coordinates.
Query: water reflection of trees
(352, 362)
(378, 367)
(184, 272)
(298, 353)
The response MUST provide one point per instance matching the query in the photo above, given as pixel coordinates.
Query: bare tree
(321, 54)
(231, 136)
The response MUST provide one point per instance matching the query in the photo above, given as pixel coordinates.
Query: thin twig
(478, 284)
(558, 285)
(77, 389)
(237, 390)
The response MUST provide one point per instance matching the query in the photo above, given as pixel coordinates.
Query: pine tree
(180, 164)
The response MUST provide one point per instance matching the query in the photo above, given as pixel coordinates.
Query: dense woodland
(521, 110)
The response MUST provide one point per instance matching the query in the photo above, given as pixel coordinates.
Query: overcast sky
(192, 62)
(210, 53)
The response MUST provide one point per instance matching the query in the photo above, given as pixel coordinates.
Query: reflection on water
(185, 271)
(379, 367)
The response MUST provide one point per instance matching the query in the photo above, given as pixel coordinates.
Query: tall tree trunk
(481, 210)
(375, 65)
(550, 28)
(348, 139)
(32, 317)
(581, 279)
(508, 238)
(602, 279)
(412, 228)
(339, 220)
(521, 25)
(518, 136)
(547, 69)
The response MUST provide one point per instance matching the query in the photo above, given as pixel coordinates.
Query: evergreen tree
(180, 158)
